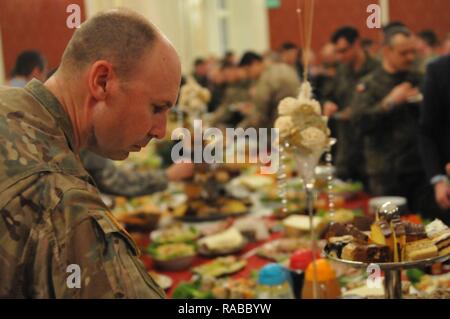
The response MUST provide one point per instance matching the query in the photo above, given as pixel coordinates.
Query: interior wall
(328, 16)
(249, 23)
(422, 14)
(331, 14)
(2, 67)
(193, 26)
(37, 24)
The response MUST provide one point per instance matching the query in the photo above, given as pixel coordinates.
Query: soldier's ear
(100, 73)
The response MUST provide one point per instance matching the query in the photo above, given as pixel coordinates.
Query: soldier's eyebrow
(162, 104)
(166, 104)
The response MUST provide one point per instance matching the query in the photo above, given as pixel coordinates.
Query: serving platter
(392, 271)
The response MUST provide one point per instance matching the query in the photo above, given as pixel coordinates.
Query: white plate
(165, 282)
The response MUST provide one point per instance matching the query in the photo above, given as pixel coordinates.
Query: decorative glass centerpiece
(304, 132)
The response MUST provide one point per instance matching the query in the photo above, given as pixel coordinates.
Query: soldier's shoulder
(23, 120)
(30, 138)
(279, 69)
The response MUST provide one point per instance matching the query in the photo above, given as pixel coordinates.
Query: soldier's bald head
(119, 36)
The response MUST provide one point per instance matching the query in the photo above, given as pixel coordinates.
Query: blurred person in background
(237, 93)
(326, 70)
(217, 86)
(290, 54)
(230, 58)
(329, 60)
(435, 132)
(201, 71)
(427, 43)
(386, 113)
(273, 83)
(445, 49)
(122, 181)
(354, 64)
(370, 47)
(29, 64)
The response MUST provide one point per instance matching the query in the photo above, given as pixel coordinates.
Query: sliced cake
(421, 249)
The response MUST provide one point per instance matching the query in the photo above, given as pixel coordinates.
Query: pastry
(358, 235)
(335, 245)
(421, 249)
(442, 242)
(435, 227)
(414, 232)
(378, 254)
(366, 253)
(335, 230)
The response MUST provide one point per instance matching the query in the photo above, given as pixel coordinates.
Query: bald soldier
(117, 79)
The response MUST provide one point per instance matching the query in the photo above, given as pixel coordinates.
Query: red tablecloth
(254, 262)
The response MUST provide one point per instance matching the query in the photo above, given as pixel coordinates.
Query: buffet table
(254, 262)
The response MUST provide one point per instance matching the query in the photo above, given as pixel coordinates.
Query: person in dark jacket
(435, 130)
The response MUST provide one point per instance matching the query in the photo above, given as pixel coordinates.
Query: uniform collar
(52, 105)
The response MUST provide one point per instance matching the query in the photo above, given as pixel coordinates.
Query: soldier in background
(355, 63)
(29, 64)
(273, 83)
(117, 80)
(386, 111)
(120, 181)
(236, 94)
(290, 54)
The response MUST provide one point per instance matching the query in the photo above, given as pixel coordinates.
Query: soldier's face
(136, 109)
(255, 70)
(290, 56)
(345, 52)
(401, 53)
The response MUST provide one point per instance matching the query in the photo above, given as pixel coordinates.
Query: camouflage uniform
(349, 158)
(390, 138)
(51, 215)
(113, 180)
(277, 82)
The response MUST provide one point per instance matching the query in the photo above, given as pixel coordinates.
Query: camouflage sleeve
(367, 110)
(91, 255)
(121, 181)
